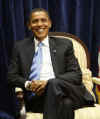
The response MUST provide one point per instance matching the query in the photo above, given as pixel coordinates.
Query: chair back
(80, 49)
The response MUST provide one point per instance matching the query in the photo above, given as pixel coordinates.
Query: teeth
(41, 30)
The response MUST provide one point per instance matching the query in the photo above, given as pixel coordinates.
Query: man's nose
(40, 23)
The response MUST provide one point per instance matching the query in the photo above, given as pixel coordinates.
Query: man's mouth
(40, 30)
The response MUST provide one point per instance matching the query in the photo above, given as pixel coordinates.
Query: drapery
(79, 17)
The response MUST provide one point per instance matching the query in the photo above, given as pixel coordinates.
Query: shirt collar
(45, 42)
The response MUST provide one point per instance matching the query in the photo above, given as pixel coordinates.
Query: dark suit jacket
(64, 63)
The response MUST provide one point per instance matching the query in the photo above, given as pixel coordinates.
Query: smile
(40, 30)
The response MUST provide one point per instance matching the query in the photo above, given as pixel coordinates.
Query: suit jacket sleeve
(71, 71)
(15, 79)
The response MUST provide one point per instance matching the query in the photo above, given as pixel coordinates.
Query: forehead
(39, 14)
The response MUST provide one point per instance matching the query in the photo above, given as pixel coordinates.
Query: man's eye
(43, 20)
(34, 21)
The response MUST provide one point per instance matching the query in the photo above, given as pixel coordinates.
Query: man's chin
(41, 38)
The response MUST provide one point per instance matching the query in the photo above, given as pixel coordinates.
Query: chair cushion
(30, 115)
(82, 113)
(88, 112)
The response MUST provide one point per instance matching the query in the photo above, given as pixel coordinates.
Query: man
(59, 89)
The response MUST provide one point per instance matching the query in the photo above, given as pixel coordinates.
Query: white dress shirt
(46, 72)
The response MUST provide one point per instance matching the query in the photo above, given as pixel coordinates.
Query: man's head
(39, 23)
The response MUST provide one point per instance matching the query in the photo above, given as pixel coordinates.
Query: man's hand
(38, 86)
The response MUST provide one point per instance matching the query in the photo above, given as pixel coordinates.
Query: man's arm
(14, 77)
(72, 73)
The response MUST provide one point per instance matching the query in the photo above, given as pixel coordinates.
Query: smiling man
(48, 72)
(40, 24)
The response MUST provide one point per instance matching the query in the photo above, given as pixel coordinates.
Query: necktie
(36, 64)
(36, 67)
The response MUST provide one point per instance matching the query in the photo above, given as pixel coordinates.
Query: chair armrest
(96, 80)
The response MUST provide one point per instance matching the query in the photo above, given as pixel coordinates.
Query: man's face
(40, 24)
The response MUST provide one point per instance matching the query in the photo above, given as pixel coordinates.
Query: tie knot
(40, 44)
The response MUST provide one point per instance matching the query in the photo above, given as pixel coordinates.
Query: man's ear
(28, 25)
(50, 24)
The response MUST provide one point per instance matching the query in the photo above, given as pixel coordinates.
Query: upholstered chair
(81, 52)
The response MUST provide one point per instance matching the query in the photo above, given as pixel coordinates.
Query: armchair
(81, 52)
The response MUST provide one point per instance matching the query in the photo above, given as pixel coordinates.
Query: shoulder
(62, 41)
(23, 43)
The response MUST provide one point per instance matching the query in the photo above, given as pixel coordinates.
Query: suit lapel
(53, 52)
(31, 50)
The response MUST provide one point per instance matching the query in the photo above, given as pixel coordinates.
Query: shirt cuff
(27, 85)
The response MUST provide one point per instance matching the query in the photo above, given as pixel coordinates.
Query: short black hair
(38, 10)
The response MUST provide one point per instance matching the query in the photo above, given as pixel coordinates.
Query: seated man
(48, 72)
